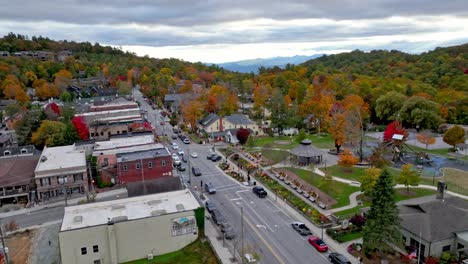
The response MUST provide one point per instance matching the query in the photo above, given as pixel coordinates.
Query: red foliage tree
(242, 135)
(54, 107)
(394, 128)
(81, 127)
(358, 220)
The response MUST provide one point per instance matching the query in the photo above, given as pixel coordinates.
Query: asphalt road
(267, 226)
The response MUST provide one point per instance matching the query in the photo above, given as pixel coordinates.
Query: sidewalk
(70, 202)
(221, 252)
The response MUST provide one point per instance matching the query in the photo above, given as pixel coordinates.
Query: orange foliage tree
(192, 112)
(337, 129)
(426, 138)
(187, 87)
(62, 79)
(12, 89)
(347, 159)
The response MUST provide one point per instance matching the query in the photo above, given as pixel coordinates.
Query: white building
(59, 169)
(128, 229)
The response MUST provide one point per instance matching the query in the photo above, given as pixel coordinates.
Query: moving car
(318, 244)
(210, 206)
(301, 228)
(196, 171)
(259, 191)
(337, 258)
(209, 188)
(194, 155)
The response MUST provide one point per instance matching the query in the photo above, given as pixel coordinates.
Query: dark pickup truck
(301, 228)
(259, 191)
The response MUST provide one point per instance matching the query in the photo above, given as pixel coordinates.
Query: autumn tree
(420, 112)
(123, 88)
(455, 135)
(260, 96)
(356, 111)
(337, 128)
(377, 158)
(12, 89)
(81, 127)
(206, 77)
(426, 138)
(408, 177)
(382, 228)
(388, 105)
(52, 111)
(368, 179)
(187, 87)
(347, 159)
(62, 79)
(50, 133)
(192, 112)
(242, 135)
(393, 128)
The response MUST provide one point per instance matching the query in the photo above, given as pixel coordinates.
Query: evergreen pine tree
(382, 225)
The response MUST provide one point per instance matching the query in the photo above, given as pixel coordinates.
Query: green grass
(353, 174)
(400, 195)
(439, 152)
(197, 252)
(325, 141)
(350, 236)
(274, 155)
(457, 180)
(338, 191)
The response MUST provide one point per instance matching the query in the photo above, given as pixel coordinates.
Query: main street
(267, 226)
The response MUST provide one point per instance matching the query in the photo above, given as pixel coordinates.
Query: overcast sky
(232, 30)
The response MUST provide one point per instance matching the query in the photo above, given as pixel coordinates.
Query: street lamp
(321, 224)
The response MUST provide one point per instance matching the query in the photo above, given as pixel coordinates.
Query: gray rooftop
(239, 119)
(306, 149)
(209, 119)
(146, 154)
(435, 219)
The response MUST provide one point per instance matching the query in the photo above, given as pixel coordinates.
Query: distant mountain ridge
(253, 65)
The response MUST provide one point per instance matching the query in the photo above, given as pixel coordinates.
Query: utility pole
(143, 176)
(242, 232)
(4, 248)
(189, 169)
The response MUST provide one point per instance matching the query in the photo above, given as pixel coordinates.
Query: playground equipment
(401, 150)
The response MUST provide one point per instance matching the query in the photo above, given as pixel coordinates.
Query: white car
(175, 147)
(194, 155)
(174, 155)
(181, 153)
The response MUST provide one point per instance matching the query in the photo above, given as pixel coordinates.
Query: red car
(162, 123)
(318, 244)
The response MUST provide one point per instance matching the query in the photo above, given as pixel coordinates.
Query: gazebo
(306, 153)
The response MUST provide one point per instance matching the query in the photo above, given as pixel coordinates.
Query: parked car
(174, 136)
(162, 123)
(184, 158)
(229, 232)
(224, 226)
(259, 191)
(175, 130)
(217, 217)
(209, 188)
(249, 258)
(337, 258)
(318, 244)
(210, 155)
(176, 161)
(196, 171)
(194, 155)
(180, 152)
(215, 158)
(186, 141)
(174, 155)
(181, 167)
(174, 146)
(210, 206)
(301, 228)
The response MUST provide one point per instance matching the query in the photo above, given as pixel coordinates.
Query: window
(95, 249)
(446, 248)
(150, 164)
(78, 177)
(98, 261)
(84, 251)
(460, 246)
(138, 165)
(163, 163)
(125, 167)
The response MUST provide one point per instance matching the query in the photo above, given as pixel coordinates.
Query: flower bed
(343, 235)
(296, 202)
(238, 177)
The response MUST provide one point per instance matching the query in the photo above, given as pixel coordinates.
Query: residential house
(436, 226)
(17, 174)
(62, 55)
(59, 169)
(216, 127)
(129, 229)
(172, 102)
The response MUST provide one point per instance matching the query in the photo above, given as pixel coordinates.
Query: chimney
(441, 188)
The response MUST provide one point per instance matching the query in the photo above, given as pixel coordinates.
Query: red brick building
(143, 165)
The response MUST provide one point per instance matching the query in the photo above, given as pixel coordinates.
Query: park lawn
(351, 236)
(353, 174)
(338, 190)
(400, 195)
(198, 253)
(439, 152)
(269, 142)
(457, 180)
(275, 155)
(324, 141)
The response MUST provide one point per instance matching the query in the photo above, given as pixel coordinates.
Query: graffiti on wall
(183, 225)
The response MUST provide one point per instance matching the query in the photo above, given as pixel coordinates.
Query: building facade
(128, 229)
(61, 169)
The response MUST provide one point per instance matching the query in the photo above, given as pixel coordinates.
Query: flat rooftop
(114, 143)
(146, 154)
(95, 214)
(106, 112)
(128, 149)
(121, 118)
(59, 158)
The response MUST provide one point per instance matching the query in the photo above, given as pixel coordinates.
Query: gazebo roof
(306, 149)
